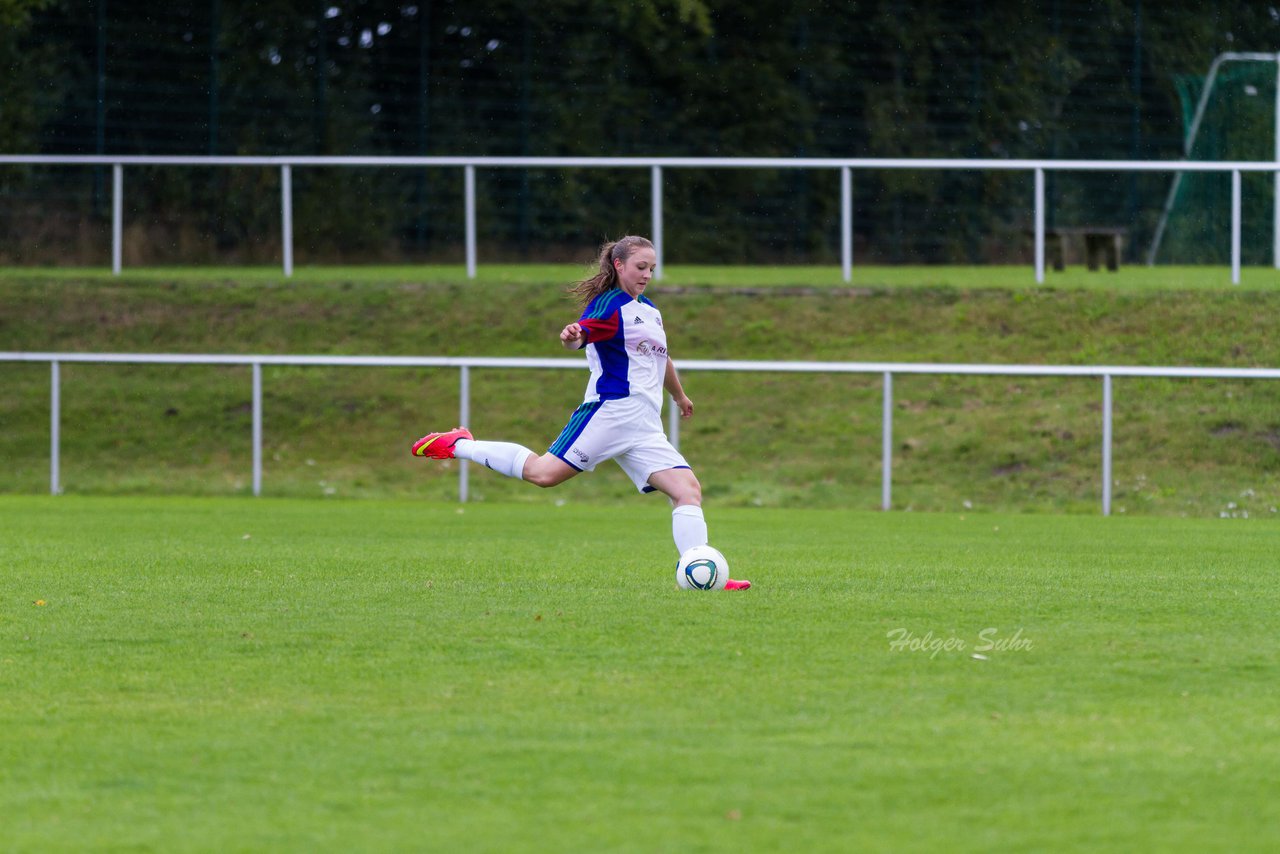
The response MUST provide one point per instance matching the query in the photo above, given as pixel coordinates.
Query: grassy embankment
(1181, 446)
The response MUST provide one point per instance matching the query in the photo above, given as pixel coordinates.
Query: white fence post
(469, 191)
(655, 204)
(1235, 226)
(886, 445)
(1275, 218)
(55, 423)
(1039, 220)
(257, 428)
(117, 218)
(1106, 444)
(286, 217)
(464, 418)
(846, 223)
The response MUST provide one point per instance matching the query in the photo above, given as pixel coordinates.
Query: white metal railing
(655, 165)
(464, 364)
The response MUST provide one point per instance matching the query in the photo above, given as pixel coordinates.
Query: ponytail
(607, 276)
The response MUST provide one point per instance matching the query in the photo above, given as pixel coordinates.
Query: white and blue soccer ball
(702, 568)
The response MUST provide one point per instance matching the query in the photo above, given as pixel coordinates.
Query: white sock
(503, 457)
(688, 527)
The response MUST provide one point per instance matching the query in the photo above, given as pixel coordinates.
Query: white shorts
(627, 430)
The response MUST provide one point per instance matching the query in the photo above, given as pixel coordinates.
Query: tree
(28, 70)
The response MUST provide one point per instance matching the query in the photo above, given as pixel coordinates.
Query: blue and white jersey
(626, 348)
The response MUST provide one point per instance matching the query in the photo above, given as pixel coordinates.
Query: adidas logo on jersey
(637, 321)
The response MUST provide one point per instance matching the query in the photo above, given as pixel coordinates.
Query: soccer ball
(702, 568)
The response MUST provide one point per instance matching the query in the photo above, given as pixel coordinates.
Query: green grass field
(245, 675)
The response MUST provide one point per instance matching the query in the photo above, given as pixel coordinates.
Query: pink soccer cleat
(737, 585)
(439, 446)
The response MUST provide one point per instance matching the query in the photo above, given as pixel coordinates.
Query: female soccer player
(620, 418)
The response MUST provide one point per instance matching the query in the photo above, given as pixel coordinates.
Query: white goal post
(1189, 142)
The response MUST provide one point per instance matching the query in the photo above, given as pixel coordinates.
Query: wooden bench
(1100, 244)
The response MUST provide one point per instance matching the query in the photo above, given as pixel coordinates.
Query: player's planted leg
(688, 525)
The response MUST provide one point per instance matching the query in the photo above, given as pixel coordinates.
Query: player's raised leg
(440, 446)
(505, 458)
(548, 470)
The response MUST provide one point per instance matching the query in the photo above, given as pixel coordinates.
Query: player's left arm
(671, 382)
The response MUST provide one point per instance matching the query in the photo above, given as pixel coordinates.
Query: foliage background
(883, 78)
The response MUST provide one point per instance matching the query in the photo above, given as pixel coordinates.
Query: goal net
(1236, 120)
